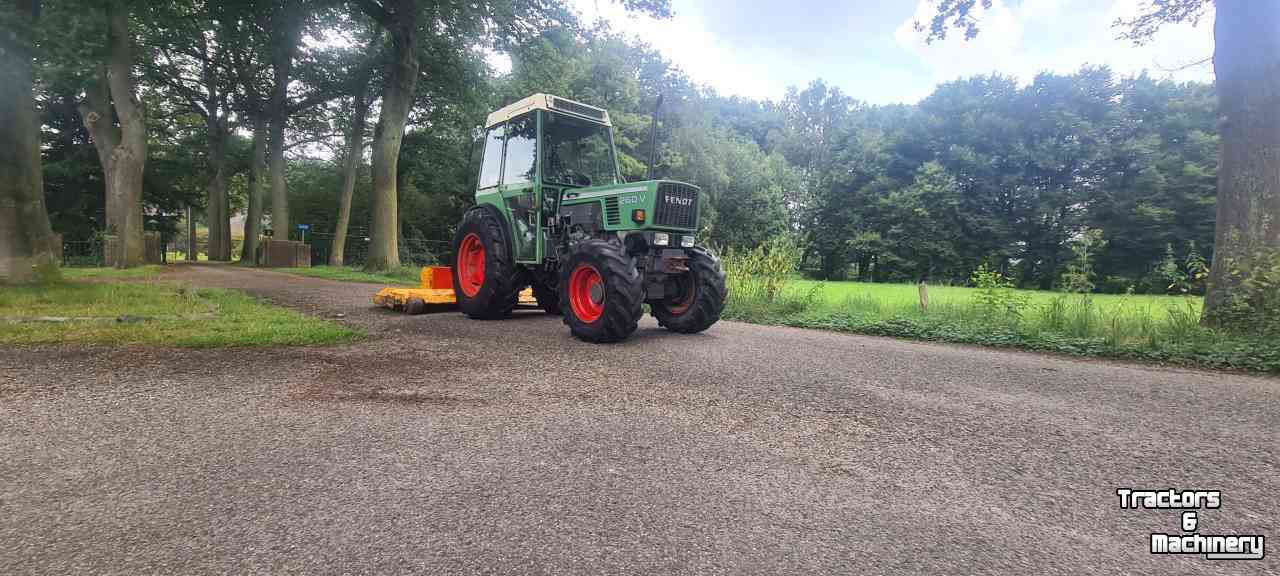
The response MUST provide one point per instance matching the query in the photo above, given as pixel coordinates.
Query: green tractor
(553, 213)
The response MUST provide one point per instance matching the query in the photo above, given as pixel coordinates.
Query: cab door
(519, 186)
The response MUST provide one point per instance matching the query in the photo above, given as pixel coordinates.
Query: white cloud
(1018, 38)
(1014, 40)
(686, 42)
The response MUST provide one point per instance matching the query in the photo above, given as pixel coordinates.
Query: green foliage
(995, 294)
(1078, 277)
(762, 273)
(1254, 306)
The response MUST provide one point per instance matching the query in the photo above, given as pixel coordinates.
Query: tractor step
(435, 290)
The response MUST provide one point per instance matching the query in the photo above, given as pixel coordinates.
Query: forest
(360, 119)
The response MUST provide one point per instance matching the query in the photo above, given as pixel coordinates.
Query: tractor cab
(553, 213)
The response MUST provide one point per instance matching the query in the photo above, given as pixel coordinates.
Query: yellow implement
(436, 290)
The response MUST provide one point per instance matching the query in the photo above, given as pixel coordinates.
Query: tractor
(553, 214)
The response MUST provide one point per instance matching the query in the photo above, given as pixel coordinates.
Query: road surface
(444, 445)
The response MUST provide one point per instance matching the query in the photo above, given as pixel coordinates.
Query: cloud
(1052, 35)
(685, 41)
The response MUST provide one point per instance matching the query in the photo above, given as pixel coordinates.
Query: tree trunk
(96, 114)
(283, 49)
(129, 159)
(219, 217)
(1247, 64)
(253, 216)
(351, 169)
(26, 240)
(122, 150)
(193, 246)
(397, 97)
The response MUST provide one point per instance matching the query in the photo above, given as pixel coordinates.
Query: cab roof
(548, 102)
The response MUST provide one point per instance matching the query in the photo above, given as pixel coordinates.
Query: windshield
(577, 152)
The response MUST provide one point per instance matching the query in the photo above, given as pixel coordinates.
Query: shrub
(761, 274)
(996, 294)
(1079, 274)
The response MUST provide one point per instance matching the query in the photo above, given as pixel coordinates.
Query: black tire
(621, 292)
(548, 297)
(497, 294)
(701, 301)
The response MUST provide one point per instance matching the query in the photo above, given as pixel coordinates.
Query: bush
(761, 274)
(996, 295)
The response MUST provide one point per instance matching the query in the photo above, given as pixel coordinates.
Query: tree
(350, 170)
(287, 20)
(193, 65)
(400, 19)
(1246, 63)
(26, 240)
(116, 119)
(251, 104)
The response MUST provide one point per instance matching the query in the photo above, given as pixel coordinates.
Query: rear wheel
(485, 279)
(601, 292)
(696, 298)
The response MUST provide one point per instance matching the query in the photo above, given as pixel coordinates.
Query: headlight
(661, 239)
(686, 241)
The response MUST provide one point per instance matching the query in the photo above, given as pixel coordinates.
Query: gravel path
(444, 445)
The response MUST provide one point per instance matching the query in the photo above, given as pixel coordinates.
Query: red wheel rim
(586, 293)
(471, 264)
(680, 305)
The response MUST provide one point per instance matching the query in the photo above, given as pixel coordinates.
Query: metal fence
(82, 253)
(413, 251)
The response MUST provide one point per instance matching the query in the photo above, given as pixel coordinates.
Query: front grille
(677, 205)
(612, 214)
(576, 108)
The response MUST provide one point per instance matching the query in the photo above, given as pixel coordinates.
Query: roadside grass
(402, 276)
(140, 273)
(1145, 327)
(86, 309)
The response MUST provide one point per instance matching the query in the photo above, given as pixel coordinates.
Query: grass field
(403, 276)
(889, 300)
(102, 305)
(1158, 328)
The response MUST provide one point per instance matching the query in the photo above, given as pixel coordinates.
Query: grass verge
(403, 276)
(140, 273)
(1152, 328)
(160, 313)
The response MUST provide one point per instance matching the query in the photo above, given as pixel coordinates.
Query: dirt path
(449, 445)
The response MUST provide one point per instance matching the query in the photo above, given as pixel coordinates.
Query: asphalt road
(445, 445)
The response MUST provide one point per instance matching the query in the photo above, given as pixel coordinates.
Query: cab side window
(522, 150)
(491, 166)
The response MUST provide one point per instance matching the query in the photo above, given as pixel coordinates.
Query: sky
(871, 51)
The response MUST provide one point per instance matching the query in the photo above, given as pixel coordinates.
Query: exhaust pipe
(653, 137)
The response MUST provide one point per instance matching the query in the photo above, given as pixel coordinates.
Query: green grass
(1156, 328)
(403, 276)
(140, 273)
(159, 313)
(891, 300)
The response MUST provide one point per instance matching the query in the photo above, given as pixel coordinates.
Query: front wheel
(601, 292)
(695, 298)
(485, 279)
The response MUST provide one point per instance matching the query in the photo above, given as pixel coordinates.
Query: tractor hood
(651, 204)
